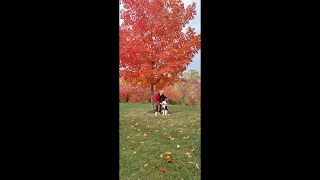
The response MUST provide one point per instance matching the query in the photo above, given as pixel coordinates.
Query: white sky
(195, 23)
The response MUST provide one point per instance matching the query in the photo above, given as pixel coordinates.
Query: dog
(164, 108)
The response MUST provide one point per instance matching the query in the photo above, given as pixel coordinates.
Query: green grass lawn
(138, 124)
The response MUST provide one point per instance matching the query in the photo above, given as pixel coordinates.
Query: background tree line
(187, 91)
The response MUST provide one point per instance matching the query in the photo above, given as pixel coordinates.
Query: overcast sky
(195, 23)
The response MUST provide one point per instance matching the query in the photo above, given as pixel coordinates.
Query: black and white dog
(164, 107)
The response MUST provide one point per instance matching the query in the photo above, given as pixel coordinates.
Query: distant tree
(190, 89)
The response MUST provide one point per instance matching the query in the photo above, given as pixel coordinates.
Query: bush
(172, 94)
(124, 94)
(139, 95)
(186, 92)
(129, 93)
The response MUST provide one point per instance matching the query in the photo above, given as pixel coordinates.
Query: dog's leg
(162, 111)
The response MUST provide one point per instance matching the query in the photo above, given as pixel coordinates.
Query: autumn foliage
(131, 93)
(172, 93)
(154, 49)
(185, 92)
(190, 89)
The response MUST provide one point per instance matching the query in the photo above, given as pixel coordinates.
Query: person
(157, 98)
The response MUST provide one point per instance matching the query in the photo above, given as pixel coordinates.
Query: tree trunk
(152, 92)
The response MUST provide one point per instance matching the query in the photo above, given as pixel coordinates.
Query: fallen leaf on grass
(197, 167)
(134, 152)
(168, 153)
(128, 137)
(162, 170)
(189, 156)
(132, 141)
(139, 130)
(169, 161)
(142, 142)
(156, 130)
(188, 162)
(138, 134)
(167, 157)
(161, 155)
(193, 149)
(178, 146)
(145, 165)
(187, 153)
(137, 124)
(145, 134)
(168, 138)
(186, 137)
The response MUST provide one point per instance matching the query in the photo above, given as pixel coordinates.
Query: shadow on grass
(170, 112)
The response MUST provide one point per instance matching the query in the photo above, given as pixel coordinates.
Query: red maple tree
(154, 50)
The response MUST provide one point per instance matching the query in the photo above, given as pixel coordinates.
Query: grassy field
(145, 136)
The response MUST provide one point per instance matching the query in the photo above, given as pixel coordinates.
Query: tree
(173, 94)
(190, 89)
(132, 93)
(192, 75)
(154, 50)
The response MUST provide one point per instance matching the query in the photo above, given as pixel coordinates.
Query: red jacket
(156, 98)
